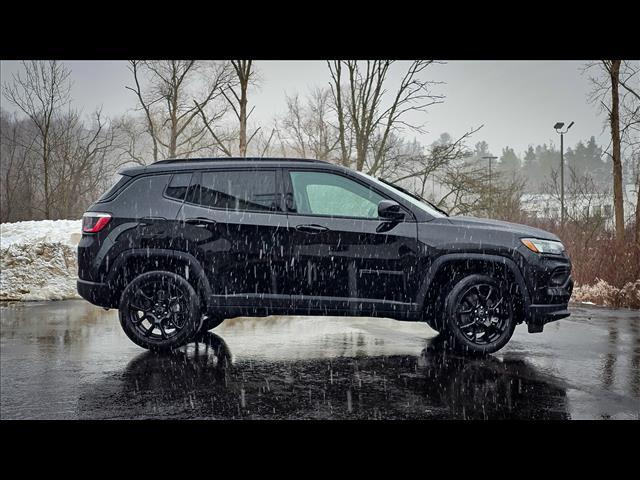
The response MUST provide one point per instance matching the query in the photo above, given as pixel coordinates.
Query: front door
(342, 256)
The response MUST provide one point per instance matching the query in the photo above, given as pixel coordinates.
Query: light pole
(490, 157)
(558, 127)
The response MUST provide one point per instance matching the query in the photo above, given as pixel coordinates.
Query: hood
(498, 225)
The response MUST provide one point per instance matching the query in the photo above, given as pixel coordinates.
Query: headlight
(543, 246)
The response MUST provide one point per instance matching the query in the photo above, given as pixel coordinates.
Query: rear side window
(177, 188)
(116, 186)
(142, 197)
(241, 190)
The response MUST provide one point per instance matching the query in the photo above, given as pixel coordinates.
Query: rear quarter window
(114, 188)
(143, 197)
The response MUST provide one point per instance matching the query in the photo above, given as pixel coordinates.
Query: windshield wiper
(413, 195)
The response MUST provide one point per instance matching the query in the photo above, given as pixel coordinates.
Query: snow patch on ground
(38, 260)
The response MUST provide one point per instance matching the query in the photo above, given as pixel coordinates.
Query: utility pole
(558, 127)
(490, 157)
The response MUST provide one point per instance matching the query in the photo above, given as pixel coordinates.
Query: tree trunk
(243, 71)
(243, 119)
(336, 90)
(614, 117)
(173, 113)
(45, 164)
(361, 155)
(638, 208)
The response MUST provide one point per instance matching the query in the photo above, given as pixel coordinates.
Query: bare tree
(133, 145)
(582, 194)
(83, 159)
(366, 115)
(41, 93)
(637, 183)
(468, 192)
(630, 127)
(173, 95)
(306, 127)
(613, 68)
(423, 164)
(16, 183)
(244, 77)
(610, 77)
(264, 144)
(464, 185)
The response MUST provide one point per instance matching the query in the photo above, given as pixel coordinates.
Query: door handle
(313, 229)
(151, 220)
(200, 222)
(152, 227)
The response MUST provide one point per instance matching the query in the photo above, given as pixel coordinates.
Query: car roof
(178, 164)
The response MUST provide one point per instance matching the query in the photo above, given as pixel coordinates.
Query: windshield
(408, 196)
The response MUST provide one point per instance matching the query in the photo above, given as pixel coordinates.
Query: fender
(195, 271)
(443, 259)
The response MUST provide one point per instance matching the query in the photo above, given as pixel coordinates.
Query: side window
(241, 190)
(322, 193)
(114, 188)
(178, 186)
(142, 197)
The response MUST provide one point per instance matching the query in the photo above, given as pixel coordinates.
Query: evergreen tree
(481, 150)
(509, 162)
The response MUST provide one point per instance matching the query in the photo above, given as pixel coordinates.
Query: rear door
(342, 256)
(233, 223)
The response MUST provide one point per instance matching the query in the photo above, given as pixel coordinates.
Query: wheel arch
(451, 267)
(134, 262)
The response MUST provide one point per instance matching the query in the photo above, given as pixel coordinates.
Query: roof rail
(227, 159)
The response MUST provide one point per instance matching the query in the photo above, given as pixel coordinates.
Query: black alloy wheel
(480, 314)
(160, 311)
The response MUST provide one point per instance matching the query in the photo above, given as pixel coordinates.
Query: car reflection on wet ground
(71, 360)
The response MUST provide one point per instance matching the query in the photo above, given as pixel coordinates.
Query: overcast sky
(517, 101)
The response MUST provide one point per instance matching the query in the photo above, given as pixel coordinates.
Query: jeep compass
(179, 245)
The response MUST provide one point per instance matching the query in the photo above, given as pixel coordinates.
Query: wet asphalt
(71, 360)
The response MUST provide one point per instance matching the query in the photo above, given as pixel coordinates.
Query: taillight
(93, 222)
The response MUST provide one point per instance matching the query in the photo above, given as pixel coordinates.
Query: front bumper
(557, 296)
(540, 315)
(549, 282)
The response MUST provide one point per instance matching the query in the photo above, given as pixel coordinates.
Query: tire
(436, 324)
(479, 315)
(160, 311)
(210, 322)
(437, 321)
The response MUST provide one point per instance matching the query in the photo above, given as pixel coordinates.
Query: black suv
(180, 245)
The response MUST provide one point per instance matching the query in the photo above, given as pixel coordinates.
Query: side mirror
(390, 210)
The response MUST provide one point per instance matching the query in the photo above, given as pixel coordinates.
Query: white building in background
(546, 206)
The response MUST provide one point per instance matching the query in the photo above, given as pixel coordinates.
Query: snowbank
(38, 260)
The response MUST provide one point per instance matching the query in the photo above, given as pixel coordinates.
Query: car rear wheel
(479, 314)
(160, 311)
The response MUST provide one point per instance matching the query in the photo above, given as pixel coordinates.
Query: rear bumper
(97, 293)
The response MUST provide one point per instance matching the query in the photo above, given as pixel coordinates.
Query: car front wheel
(479, 314)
